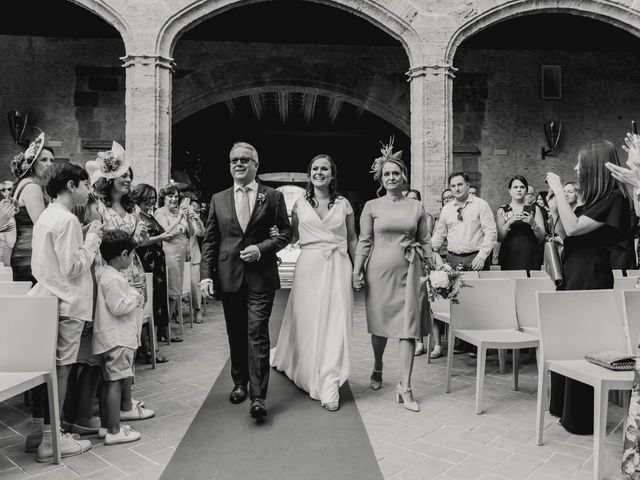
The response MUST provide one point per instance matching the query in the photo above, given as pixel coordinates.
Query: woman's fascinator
(387, 154)
(22, 162)
(110, 164)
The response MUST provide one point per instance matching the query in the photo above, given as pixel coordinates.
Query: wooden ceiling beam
(231, 107)
(309, 106)
(335, 104)
(256, 105)
(283, 106)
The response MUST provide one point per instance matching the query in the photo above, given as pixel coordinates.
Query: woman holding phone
(520, 229)
(177, 216)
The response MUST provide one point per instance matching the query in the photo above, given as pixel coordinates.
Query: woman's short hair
(521, 179)
(415, 192)
(595, 180)
(143, 193)
(168, 189)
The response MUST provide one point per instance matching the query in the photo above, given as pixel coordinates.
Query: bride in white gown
(313, 348)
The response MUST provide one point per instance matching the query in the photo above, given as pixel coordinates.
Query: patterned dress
(153, 261)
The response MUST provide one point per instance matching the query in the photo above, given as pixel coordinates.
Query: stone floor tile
(86, 463)
(26, 461)
(438, 451)
(404, 436)
(401, 455)
(15, 473)
(127, 460)
(60, 473)
(389, 467)
(484, 434)
(445, 435)
(560, 466)
(516, 467)
(162, 457)
(109, 473)
(471, 468)
(427, 470)
(487, 451)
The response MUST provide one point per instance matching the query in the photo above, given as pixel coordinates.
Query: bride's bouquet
(443, 281)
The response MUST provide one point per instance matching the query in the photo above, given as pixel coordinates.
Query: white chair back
(6, 270)
(186, 280)
(617, 273)
(526, 301)
(29, 324)
(538, 274)
(503, 274)
(631, 307)
(633, 273)
(440, 305)
(14, 288)
(495, 268)
(624, 283)
(6, 277)
(148, 306)
(574, 323)
(470, 275)
(485, 305)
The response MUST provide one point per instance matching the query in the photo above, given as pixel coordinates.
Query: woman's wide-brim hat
(22, 162)
(110, 164)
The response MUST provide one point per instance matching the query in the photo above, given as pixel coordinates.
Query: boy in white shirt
(115, 332)
(61, 263)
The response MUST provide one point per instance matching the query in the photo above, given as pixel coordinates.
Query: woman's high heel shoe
(376, 379)
(405, 395)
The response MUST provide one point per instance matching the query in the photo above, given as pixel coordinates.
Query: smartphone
(634, 127)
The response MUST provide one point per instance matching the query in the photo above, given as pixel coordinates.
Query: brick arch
(604, 10)
(393, 23)
(202, 100)
(111, 16)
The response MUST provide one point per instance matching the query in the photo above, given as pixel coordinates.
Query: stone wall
(498, 109)
(72, 89)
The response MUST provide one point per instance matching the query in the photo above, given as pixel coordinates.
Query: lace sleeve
(348, 209)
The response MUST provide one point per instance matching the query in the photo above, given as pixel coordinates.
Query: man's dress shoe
(257, 410)
(238, 394)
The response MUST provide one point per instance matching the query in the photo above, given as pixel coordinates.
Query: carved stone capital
(156, 60)
(447, 70)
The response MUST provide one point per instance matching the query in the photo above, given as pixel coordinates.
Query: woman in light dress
(313, 348)
(395, 241)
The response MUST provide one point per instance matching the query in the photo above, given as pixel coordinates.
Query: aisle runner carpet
(298, 439)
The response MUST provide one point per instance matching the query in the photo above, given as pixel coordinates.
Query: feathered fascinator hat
(110, 164)
(22, 162)
(387, 154)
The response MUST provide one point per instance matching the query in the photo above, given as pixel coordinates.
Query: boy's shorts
(68, 344)
(118, 363)
(84, 355)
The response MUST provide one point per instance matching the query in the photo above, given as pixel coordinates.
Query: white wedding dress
(313, 348)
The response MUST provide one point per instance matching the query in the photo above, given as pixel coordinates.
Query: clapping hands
(631, 175)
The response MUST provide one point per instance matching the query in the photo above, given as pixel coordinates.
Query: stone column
(431, 130)
(148, 107)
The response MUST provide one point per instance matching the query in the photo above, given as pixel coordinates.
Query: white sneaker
(136, 413)
(436, 352)
(125, 435)
(419, 349)
(137, 403)
(69, 447)
(102, 433)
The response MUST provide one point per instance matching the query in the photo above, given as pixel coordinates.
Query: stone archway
(604, 10)
(111, 16)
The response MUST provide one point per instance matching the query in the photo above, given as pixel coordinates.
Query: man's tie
(244, 212)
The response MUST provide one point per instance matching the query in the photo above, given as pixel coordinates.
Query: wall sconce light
(17, 124)
(552, 131)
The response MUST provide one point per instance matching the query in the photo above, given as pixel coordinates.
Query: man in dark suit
(239, 263)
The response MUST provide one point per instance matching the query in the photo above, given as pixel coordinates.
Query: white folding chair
(633, 273)
(486, 317)
(538, 274)
(148, 317)
(629, 312)
(527, 302)
(617, 273)
(28, 352)
(469, 275)
(495, 268)
(14, 288)
(6, 277)
(186, 290)
(502, 274)
(572, 324)
(6, 270)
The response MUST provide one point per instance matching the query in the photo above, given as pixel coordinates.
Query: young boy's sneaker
(125, 435)
(69, 447)
(136, 413)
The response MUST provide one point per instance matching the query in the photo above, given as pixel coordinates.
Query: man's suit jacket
(224, 239)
